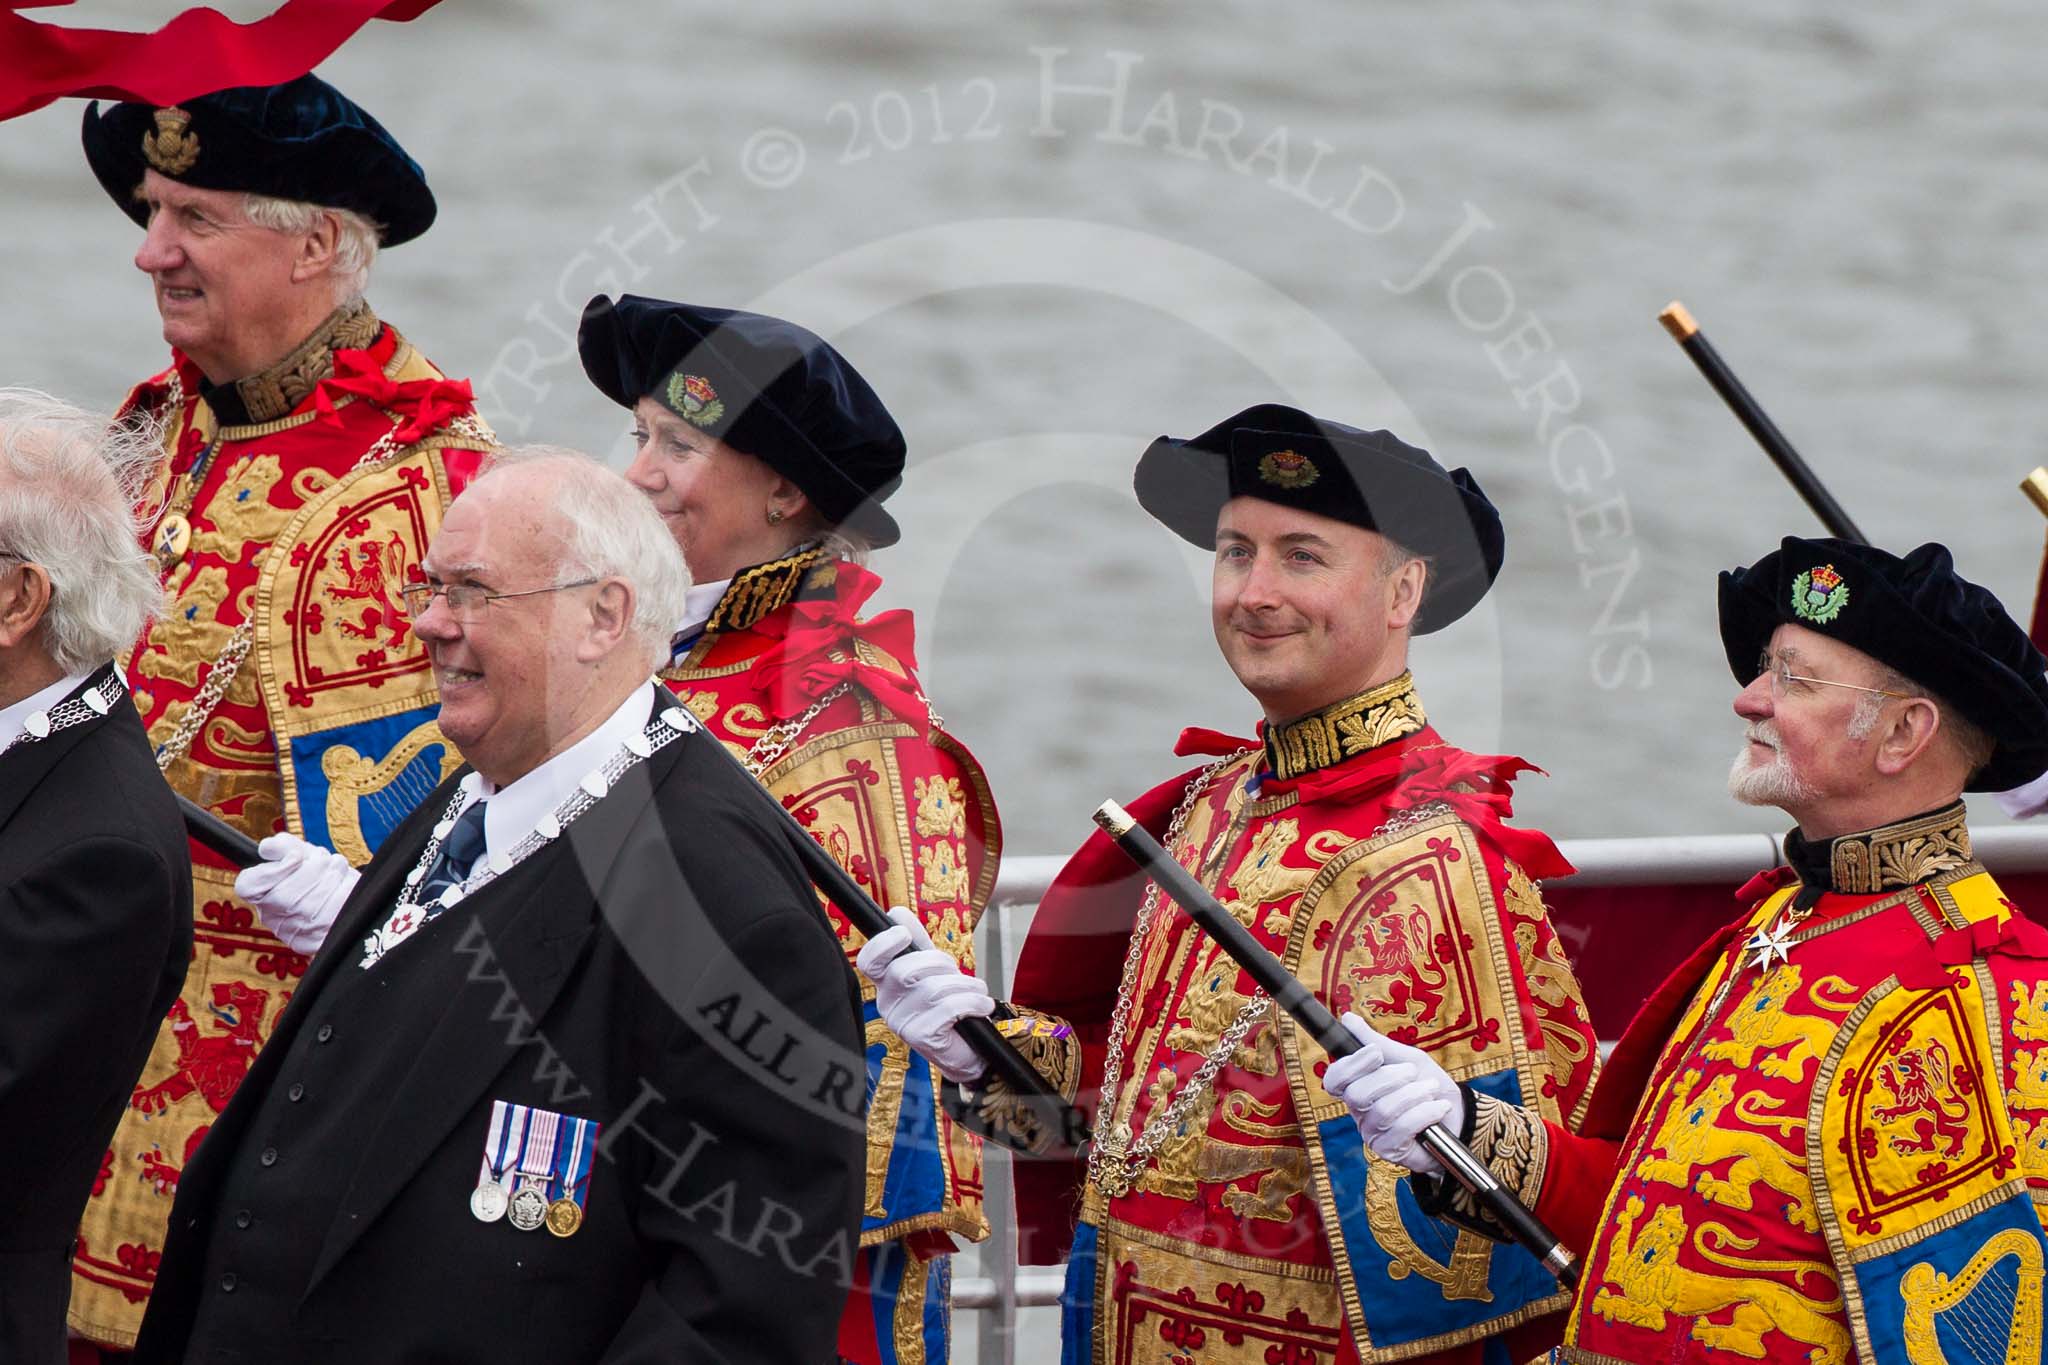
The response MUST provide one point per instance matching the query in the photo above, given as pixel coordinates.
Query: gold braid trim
(1513, 1144)
(1345, 729)
(1904, 854)
(988, 1107)
(274, 392)
(755, 592)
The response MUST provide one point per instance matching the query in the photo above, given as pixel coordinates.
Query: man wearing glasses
(578, 1074)
(1825, 1136)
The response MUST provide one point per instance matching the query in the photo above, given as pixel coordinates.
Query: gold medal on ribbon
(565, 1215)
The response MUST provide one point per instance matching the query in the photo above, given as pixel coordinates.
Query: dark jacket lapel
(518, 955)
(24, 766)
(374, 895)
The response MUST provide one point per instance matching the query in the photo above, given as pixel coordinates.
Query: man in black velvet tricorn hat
(308, 452)
(1353, 841)
(1829, 1127)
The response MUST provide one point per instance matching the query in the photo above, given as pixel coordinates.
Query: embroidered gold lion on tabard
(1760, 1024)
(2030, 1012)
(2030, 1077)
(2032, 1141)
(1648, 1282)
(1692, 1140)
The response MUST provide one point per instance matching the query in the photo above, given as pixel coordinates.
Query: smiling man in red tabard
(1228, 1211)
(1825, 1137)
(308, 452)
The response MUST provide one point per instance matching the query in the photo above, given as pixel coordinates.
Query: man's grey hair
(609, 528)
(354, 249)
(71, 485)
(1967, 740)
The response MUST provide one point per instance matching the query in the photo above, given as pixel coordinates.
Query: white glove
(298, 889)
(1394, 1091)
(922, 995)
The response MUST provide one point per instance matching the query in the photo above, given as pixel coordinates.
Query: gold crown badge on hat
(170, 148)
(693, 399)
(1819, 594)
(1288, 469)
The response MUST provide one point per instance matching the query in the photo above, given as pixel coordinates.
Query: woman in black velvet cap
(769, 457)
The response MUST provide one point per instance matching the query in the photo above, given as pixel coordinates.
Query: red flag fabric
(197, 53)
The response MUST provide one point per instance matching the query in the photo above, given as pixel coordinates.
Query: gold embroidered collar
(1345, 729)
(274, 392)
(1886, 858)
(755, 592)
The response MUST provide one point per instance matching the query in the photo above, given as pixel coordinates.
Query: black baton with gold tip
(1804, 481)
(1288, 992)
(1005, 1062)
(210, 831)
(2035, 486)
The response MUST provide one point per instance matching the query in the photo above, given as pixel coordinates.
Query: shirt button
(326, 1032)
(269, 1157)
(296, 1093)
(244, 1218)
(227, 1283)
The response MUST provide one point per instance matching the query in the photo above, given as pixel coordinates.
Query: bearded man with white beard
(1825, 1137)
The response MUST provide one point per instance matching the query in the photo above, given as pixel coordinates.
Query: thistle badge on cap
(170, 148)
(694, 400)
(1819, 594)
(1288, 469)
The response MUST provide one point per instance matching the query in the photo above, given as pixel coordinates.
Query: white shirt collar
(511, 811)
(698, 604)
(12, 718)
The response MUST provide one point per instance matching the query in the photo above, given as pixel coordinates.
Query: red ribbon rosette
(427, 404)
(1415, 770)
(800, 668)
(1480, 788)
(1200, 742)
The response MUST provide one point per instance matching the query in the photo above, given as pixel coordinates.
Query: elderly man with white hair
(578, 1074)
(308, 452)
(95, 889)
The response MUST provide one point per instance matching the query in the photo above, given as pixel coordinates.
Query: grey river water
(1050, 232)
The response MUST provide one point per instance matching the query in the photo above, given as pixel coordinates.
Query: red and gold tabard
(1830, 1162)
(825, 709)
(284, 689)
(1230, 1213)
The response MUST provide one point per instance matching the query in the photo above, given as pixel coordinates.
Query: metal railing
(1679, 860)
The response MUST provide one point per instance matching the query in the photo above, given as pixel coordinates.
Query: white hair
(70, 489)
(1766, 784)
(1967, 740)
(355, 246)
(609, 528)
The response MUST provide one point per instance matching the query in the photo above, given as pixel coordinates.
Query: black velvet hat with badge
(1371, 479)
(1916, 615)
(302, 140)
(765, 387)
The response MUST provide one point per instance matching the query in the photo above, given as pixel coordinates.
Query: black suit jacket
(95, 936)
(617, 975)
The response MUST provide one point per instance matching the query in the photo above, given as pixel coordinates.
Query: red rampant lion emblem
(1397, 946)
(159, 1174)
(209, 1066)
(372, 576)
(1923, 1091)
